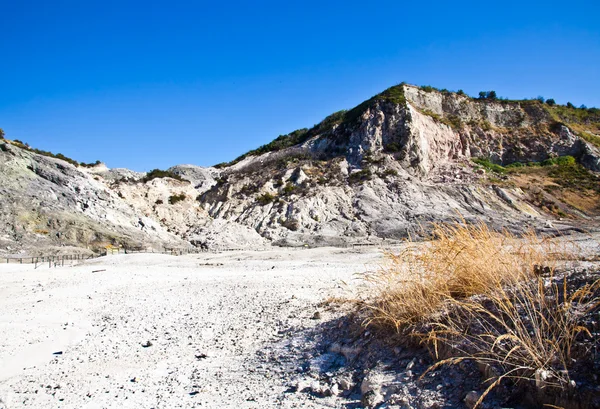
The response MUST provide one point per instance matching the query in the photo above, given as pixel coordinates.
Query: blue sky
(152, 84)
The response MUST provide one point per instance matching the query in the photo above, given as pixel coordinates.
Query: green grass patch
(591, 138)
(516, 167)
(489, 166)
(574, 176)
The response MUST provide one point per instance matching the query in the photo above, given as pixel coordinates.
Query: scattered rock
(147, 344)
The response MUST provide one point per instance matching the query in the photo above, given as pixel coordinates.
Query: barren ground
(224, 329)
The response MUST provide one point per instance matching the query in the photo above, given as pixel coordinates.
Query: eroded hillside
(405, 158)
(380, 171)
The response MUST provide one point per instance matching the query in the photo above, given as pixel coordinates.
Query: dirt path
(155, 331)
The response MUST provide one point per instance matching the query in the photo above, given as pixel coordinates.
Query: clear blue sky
(152, 84)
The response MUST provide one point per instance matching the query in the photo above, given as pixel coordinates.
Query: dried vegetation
(474, 294)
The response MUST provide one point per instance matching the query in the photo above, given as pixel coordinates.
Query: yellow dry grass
(483, 293)
(460, 260)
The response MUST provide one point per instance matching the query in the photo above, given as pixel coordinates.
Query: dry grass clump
(472, 293)
(460, 260)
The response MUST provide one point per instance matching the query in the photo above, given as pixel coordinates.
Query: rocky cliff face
(429, 129)
(379, 171)
(394, 163)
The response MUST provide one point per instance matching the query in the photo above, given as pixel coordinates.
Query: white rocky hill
(380, 171)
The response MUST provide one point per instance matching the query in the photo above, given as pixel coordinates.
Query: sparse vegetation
(489, 95)
(452, 121)
(489, 165)
(176, 198)
(265, 199)
(248, 189)
(561, 161)
(289, 188)
(60, 156)
(591, 138)
(157, 173)
(388, 172)
(428, 88)
(474, 294)
(90, 165)
(392, 147)
(573, 176)
(360, 176)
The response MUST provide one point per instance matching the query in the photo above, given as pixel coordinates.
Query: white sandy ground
(235, 308)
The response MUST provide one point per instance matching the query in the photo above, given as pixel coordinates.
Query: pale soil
(219, 324)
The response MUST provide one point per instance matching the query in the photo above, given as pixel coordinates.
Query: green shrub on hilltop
(60, 156)
(157, 173)
(90, 165)
(428, 88)
(490, 95)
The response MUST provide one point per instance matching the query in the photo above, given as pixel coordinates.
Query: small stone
(335, 390)
(371, 399)
(147, 344)
(317, 388)
(471, 399)
(316, 316)
(345, 383)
